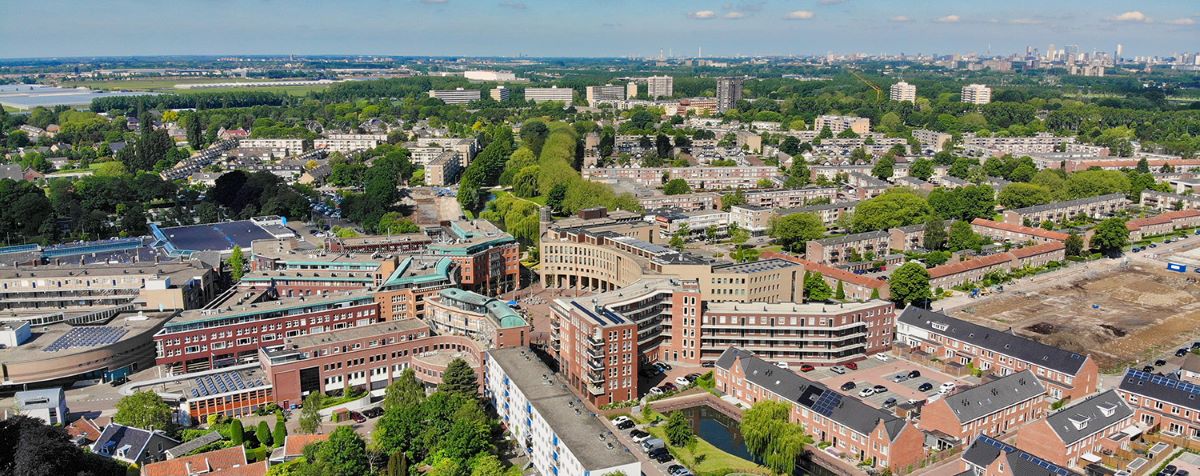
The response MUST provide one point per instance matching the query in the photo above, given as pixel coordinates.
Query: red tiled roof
(1025, 230)
(1037, 249)
(968, 265)
(1167, 217)
(210, 462)
(294, 444)
(85, 427)
(1073, 165)
(829, 271)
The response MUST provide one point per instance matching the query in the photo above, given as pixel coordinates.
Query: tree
(30, 447)
(679, 430)
(237, 263)
(1074, 245)
(910, 284)
(884, 168)
(1091, 183)
(459, 378)
(534, 134)
(963, 237)
(394, 222)
(145, 410)
(263, 434)
(310, 414)
(792, 231)
(771, 436)
(1111, 235)
(237, 433)
(963, 203)
(935, 234)
(738, 237)
(815, 287)
(280, 435)
(921, 168)
(343, 454)
(894, 208)
(729, 200)
(555, 198)
(1021, 195)
(195, 135)
(404, 391)
(840, 293)
(676, 187)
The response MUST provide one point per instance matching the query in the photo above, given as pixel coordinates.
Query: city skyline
(613, 29)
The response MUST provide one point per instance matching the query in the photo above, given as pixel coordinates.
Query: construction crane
(878, 91)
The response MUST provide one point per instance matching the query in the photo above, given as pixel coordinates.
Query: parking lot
(873, 372)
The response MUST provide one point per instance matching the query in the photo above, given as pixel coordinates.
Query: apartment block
(1063, 373)
(729, 92)
(816, 333)
(848, 248)
(874, 437)
(856, 286)
(1016, 233)
(660, 86)
(1098, 207)
(500, 93)
(560, 436)
(608, 92)
(686, 202)
(455, 96)
(838, 124)
(902, 91)
(484, 319)
(1162, 224)
(698, 178)
(829, 213)
(443, 171)
(789, 198)
(345, 146)
(977, 94)
(278, 147)
(968, 271)
(553, 93)
(933, 140)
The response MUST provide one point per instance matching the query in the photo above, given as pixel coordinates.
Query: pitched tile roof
(1160, 219)
(968, 265)
(984, 451)
(841, 408)
(1089, 416)
(294, 444)
(1157, 387)
(209, 462)
(998, 341)
(978, 402)
(1025, 230)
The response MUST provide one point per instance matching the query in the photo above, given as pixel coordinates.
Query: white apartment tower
(608, 92)
(977, 94)
(903, 91)
(554, 93)
(660, 86)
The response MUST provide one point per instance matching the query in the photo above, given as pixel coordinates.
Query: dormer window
(1108, 409)
(1079, 421)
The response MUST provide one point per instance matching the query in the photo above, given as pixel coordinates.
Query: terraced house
(1064, 373)
(852, 428)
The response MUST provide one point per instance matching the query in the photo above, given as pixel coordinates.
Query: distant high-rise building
(608, 92)
(903, 91)
(1050, 52)
(554, 93)
(976, 94)
(455, 96)
(1117, 56)
(729, 92)
(631, 90)
(500, 93)
(660, 86)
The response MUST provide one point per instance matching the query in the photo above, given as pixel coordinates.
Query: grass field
(11, 109)
(704, 458)
(168, 85)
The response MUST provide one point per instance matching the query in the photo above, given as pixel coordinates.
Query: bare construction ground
(1121, 316)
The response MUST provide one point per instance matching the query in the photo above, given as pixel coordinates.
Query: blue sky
(44, 28)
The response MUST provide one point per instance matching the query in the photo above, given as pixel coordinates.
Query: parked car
(656, 391)
(882, 357)
(782, 365)
(708, 365)
(866, 392)
(807, 368)
(669, 387)
(692, 377)
(850, 365)
(946, 387)
(890, 402)
(1160, 363)
(1195, 345)
(880, 389)
(639, 436)
(925, 387)
(1181, 352)
(673, 468)
(620, 419)
(653, 444)
(625, 425)
(373, 412)
(663, 365)
(837, 369)
(1148, 369)
(661, 455)
(848, 386)
(899, 378)
(357, 417)
(914, 374)
(682, 381)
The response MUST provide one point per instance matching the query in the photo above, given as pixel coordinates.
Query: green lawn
(11, 109)
(708, 459)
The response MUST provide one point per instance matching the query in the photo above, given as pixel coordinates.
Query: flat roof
(592, 443)
(794, 308)
(62, 339)
(355, 333)
(754, 266)
(251, 306)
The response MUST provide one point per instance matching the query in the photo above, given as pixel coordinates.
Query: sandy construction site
(1121, 317)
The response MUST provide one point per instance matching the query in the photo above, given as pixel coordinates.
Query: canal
(723, 432)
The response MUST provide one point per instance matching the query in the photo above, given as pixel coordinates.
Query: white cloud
(734, 15)
(1026, 21)
(948, 19)
(1182, 22)
(702, 14)
(831, 2)
(1133, 16)
(800, 15)
(900, 19)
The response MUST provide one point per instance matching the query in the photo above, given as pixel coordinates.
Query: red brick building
(1078, 434)
(852, 428)
(994, 408)
(1164, 403)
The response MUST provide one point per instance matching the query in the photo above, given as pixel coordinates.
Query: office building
(455, 96)
(484, 319)
(660, 87)
(977, 94)
(608, 92)
(553, 93)
(729, 92)
(500, 93)
(490, 76)
(903, 91)
(553, 428)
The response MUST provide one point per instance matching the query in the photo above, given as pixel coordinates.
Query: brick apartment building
(975, 269)
(993, 408)
(1077, 435)
(840, 250)
(1016, 233)
(991, 457)
(1164, 403)
(1094, 207)
(1064, 373)
(1162, 224)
